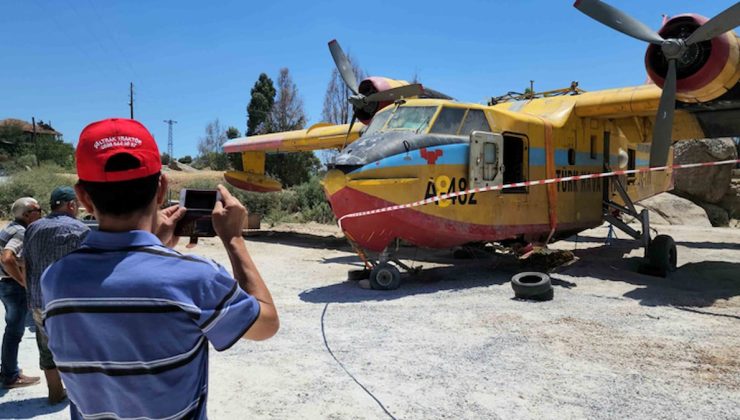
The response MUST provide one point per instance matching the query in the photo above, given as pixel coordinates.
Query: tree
(286, 115)
(187, 159)
(165, 158)
(258, 110)
(235, 158)
(337, 109)
(209, 147)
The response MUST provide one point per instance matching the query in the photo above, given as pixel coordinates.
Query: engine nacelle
(706, 71)
(371, 85)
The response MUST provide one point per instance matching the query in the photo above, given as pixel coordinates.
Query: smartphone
(197, 220)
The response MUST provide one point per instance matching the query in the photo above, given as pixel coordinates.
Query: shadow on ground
(30, 408)
(698, 284)
(465, 275)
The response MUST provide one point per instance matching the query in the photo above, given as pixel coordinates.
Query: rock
(734, 223)
(731, 203)
(655, 218)
(718, 216)
(708, 184)
(677, 210)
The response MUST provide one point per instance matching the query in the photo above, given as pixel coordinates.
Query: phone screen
(200, 199)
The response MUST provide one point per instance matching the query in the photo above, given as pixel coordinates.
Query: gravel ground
(453, 343)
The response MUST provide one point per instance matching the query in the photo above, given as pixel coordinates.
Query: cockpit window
(414, 118)
(448, 121)
(474, 121)
(378, 122)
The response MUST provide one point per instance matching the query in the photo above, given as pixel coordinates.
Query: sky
(71, 61)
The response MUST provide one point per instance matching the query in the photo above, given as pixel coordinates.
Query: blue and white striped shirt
(47, 240)
(129, 321)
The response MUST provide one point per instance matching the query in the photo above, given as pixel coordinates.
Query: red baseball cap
(104, 139)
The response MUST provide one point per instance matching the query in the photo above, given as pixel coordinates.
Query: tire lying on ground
(532, 285)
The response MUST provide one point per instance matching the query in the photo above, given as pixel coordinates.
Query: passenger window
(448, 121)
(474, 121)
(490, 162)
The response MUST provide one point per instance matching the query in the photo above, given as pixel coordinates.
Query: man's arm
(228, 221)
(12, 267)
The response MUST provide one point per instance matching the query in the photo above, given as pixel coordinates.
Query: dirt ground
(452, 342)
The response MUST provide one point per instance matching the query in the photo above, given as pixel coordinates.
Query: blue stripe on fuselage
(458, 154)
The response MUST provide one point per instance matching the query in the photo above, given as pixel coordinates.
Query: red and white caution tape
(529, 183)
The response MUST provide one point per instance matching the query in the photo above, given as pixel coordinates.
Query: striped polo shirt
(129, 321)
(47, 240)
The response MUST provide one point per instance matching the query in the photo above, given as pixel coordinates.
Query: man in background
(12, 290)
(46, 241)
(129, 319)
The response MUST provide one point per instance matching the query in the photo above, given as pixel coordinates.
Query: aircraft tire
(662, 255)
(532, 285)
(355, 275)
(385, 277)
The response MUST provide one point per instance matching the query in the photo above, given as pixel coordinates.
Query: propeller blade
(663, 129)
(391, 95)
(343, 65)
(616, 19)
(352, 122)
(723, 22)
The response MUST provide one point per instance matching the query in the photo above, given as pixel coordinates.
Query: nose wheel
(385, 276)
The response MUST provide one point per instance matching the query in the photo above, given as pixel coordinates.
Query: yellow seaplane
(415, 143)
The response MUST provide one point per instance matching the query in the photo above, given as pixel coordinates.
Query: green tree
(286, 115)
(165, 158)
(263, 97)
(187, 159)
(210, 151)
(234, 158)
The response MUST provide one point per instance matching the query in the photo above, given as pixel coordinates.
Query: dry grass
(201, 179)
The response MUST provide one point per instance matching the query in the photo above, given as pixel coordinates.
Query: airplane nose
(334, 181)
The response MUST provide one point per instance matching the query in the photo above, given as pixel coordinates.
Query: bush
(37, 183)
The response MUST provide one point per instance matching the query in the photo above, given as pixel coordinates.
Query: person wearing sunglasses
(25, 211)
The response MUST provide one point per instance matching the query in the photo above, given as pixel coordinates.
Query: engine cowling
(706, 71)
(369, 86)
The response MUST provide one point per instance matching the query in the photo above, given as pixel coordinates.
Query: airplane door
(485, 167)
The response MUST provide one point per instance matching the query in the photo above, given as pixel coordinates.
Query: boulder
(717, 215)
(677, 210)
(655, 218)
(707, 184)
(731, 203)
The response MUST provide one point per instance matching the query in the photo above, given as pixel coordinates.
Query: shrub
(37, 183)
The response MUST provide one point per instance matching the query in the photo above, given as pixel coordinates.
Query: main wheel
(531, 284)
(662, 255)
(385, 277)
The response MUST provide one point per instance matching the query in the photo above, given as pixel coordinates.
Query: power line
(170, 151)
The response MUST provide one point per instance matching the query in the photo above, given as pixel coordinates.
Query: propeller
(357, 99)
(672, 48)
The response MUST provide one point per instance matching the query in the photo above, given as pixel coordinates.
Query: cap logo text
(117, 141)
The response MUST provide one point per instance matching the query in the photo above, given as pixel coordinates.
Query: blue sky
(71, 61)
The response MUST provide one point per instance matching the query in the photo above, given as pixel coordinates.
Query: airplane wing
(318, 136)
(253, 150)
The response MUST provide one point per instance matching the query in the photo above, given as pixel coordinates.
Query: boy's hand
(166, 221)
(228, 216)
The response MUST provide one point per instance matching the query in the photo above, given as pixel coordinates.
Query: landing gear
(661, 256)
(385, 276)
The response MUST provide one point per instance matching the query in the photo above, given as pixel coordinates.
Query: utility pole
(35, 143)
(131, 99)
(169, 140)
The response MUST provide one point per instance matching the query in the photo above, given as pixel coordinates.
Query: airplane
(414, 143)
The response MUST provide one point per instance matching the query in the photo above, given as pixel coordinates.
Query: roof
(27, 127)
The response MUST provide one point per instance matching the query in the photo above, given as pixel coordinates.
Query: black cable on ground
(326, 344)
